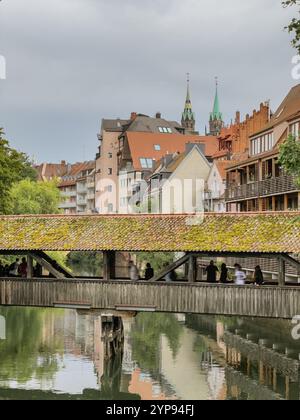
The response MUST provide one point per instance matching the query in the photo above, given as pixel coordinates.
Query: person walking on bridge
(258, 276)
(212, 271)
(133, 272)
(240, 276)
(149, 273)
(224, 274)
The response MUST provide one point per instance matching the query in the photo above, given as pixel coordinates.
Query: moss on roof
(264, 233)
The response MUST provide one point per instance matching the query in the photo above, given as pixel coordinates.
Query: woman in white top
(133, 272)
(240, 276)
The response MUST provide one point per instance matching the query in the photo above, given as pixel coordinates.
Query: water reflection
(56, 354)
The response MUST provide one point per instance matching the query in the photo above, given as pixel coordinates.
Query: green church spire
(216, 118)
(216, 114)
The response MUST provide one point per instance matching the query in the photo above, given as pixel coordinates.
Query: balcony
(68, 205)
(67, 194)
(268, 187)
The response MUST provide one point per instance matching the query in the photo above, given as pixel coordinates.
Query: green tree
(14, 166)
(31, 197)
(294, 26)
(289, 157)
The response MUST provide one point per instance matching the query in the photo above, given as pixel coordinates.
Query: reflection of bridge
(271, 236)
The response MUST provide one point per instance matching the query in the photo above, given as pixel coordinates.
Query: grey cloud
(72, 62)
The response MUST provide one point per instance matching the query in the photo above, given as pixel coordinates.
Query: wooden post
(282, 270)
(29, 267)
(192, 269)
(109, 265)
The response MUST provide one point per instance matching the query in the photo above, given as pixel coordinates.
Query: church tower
(216, 118)
(188, 120)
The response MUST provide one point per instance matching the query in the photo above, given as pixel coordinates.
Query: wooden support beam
(47, 266)
(291, 261)
(109, 265)
(50, 260)
(282, 271)
(29, 267)
(172, 267)
(192, 275)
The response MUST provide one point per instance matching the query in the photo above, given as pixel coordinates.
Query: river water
(65, 354)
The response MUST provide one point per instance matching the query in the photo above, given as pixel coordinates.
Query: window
(146, 163)
(165, 130)
(110, 155)
(157, 147)
(110, 171)
(295, 129)
(262, 144)
(110, 208)
(109, 188)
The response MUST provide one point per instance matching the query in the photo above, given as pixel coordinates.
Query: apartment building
(77, 188)
(258, 183)
(111, 153)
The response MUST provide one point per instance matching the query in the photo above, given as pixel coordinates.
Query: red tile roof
(142, 145)
(242, 232)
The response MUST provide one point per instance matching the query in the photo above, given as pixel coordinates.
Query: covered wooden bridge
(269, 235)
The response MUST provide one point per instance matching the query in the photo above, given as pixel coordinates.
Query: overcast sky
(71, 63)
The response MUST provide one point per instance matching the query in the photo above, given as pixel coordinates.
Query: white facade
(215, 195)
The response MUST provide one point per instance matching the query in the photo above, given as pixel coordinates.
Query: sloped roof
(289, 107)
(142, 145)
(222, 165)
(242, 232)
(146, 124)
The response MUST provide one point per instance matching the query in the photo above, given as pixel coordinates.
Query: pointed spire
(188, 117)
(216, 114)
(216, 118)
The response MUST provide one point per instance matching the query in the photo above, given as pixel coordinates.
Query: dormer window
(165, 130)
(146, 163)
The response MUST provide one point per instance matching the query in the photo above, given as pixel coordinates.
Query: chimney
(133, 116)
(158, 115)
(238, 117)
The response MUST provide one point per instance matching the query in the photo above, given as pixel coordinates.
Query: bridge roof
(249, 233)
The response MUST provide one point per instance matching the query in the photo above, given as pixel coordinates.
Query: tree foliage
(294, 26)
(14, 166)
(31, 197)
(289, 157)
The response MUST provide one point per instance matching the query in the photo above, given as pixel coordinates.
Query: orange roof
(221, 153)
(142, 145)
(222, 165)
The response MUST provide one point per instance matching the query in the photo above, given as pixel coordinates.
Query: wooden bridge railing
(269, 302)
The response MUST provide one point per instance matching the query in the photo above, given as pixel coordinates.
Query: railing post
(192, 269)
(29, 267)
(282, 271)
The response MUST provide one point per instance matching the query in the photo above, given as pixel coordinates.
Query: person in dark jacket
(258, 276)
(212, 271)
(224, 274)
(149, 273)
